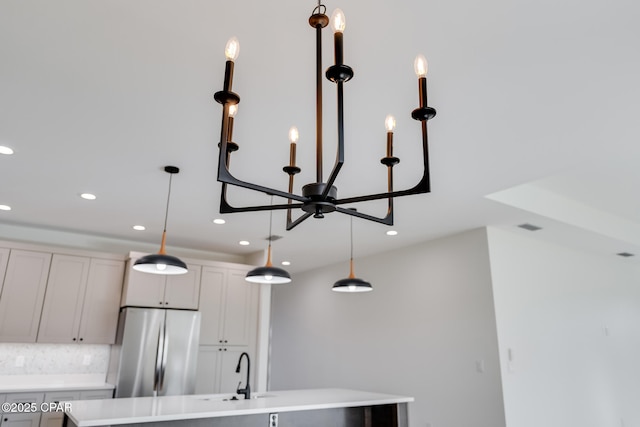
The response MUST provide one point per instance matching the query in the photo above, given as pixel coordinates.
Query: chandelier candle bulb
(338, 25)
(390, 124)
(421, 66)
(293, 138)
(231, 51)
(233, 109)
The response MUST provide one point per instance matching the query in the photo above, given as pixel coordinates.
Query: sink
(213, 397)
(261, 395)
(229, 397)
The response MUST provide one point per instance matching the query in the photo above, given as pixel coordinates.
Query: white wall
(572, 322)
(426, 331)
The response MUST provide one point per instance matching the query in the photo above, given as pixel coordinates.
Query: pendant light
(161, 263)
(268, 273)
(352, 283)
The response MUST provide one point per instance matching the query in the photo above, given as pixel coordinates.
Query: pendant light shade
(268, 273)
(161, 263)
(352, 283)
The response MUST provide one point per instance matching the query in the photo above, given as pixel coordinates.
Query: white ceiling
(537, 106)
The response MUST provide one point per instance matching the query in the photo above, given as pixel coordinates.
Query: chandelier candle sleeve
(338, 25)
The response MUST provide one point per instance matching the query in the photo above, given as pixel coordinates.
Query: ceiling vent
(625, 254)
(530, 227)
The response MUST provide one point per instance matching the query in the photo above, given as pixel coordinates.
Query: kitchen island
(316, 407)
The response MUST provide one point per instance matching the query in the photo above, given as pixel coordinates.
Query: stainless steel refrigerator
(155, 353)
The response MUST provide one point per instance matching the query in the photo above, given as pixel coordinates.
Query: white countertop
(46, 383)
(87, 413)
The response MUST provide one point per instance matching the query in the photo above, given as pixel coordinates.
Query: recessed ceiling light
(5, 150)
(219, 221)
(139, 227)
(88, 196)
(286, 263)
(243, 243)
(392, 233)
(5, 208)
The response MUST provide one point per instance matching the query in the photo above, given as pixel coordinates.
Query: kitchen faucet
(246, 391)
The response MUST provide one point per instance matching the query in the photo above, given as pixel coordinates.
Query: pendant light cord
(270, 220)
(269, 263)
(170, 170)
(352, 275)
(351, 232)
(166, 212)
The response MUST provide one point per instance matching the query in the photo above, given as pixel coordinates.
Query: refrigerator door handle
(157, 371)
(165, 352)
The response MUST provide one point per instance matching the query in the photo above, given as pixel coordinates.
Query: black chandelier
(320, 197)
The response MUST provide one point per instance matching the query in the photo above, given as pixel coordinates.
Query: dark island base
(393, 415)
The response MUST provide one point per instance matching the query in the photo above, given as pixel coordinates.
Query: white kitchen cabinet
(217, 369)
(229, 307)
(100, 309)
(51, 419)
(157, 290)
(20, 420)
(55, 419)
(63, 299)
(81, 301)
(22, 295)
(34, 397)
(4, 258)
(96, 394)
(24, 419)
(229, 310)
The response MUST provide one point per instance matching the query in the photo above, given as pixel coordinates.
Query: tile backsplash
(53, 359)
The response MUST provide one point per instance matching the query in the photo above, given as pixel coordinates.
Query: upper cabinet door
(183, 290)
(162, 291)
(63, 300)
(23, 295)
(212, 305)
(100, 309)
(241, 309)
(142, 289)
(229, 307)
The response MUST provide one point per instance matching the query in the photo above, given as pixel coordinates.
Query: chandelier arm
(225, 207)
(292, 224)
(424, 186)
(386, 220)
(225, 176)
(340, 152)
